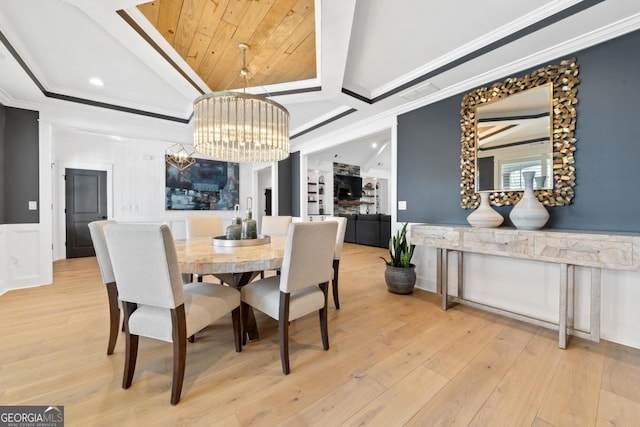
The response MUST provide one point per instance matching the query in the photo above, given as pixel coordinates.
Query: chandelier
(179, 156)
(240, 127)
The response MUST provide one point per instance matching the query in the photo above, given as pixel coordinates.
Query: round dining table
(233, 265)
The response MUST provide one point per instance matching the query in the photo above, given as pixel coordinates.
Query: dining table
(235, 266)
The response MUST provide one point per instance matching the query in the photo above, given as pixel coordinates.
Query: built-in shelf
(316, 194)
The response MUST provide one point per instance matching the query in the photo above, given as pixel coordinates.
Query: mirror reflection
(514, 136)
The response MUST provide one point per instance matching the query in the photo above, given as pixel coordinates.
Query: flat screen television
(347, 187)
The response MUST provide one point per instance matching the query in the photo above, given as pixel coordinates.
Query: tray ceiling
(206, 34)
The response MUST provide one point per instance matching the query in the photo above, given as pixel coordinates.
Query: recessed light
(96, 81)
(374, 145)
(116, 137)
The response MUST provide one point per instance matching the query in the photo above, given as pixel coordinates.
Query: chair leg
(192, 338)
(179, 324)
(283, 331)
(114, 316)
(334, 283)
(244, 310)
(324, 332)
(131, 346)
(237, 328)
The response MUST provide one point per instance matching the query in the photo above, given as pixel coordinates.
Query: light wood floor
(394, 360)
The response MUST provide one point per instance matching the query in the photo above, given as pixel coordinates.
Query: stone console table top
(616, 251)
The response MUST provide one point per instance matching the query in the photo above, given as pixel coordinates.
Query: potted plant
(400, 274)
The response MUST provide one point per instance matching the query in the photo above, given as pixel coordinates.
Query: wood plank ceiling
(206, 33)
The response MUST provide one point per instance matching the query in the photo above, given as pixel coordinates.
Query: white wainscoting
(25, 255)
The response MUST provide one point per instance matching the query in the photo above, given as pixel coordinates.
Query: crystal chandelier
(240, 127)
(179, 156)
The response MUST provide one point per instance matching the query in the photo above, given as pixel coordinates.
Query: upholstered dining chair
(274, 226)
(301, 288)
(156, 303)
(337, 254)
(203, 226)
(96, 229)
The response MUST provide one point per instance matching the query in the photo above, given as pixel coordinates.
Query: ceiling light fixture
(240, 127)
(96, 81)
(179, 156)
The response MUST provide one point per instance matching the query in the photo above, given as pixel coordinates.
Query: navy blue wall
(20, 168)
(284, 186)
(295, 183)
(2, 167)
(607, 156)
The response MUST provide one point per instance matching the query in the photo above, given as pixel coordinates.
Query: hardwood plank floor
(394, 360)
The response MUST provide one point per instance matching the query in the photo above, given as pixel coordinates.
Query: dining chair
(274, 226)
(337, 254)
(156, 303)
(203, 226)
(301, 288)
(96, 229)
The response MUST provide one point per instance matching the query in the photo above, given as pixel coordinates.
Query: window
(511, 171)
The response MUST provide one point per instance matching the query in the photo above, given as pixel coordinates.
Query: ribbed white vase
(485, 216)
(529, 213)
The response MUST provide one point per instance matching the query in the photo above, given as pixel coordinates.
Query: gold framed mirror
(485, 113)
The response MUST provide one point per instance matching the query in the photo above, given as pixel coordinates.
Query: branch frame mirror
(562, 79)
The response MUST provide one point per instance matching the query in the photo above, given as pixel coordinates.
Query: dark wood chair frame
(334, 283)
(283, 325)
(114, 316)
(179, 331)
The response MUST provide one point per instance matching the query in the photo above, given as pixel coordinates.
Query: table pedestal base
(238, 280)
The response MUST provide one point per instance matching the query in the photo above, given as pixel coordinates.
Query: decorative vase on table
(485, 216)
(529, 213)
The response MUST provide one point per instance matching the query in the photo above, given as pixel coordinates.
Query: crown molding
(569, 47)
(491, 37)
(389, 117)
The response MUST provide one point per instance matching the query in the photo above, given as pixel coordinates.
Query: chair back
(275, 225)
(96, 229)
(145, 264)
(204, 226)
(308, 255)
(342, 228)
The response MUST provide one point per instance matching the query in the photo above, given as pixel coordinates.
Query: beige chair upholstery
(301, 288)
(275, 225)
(337, 254)
(155, 302)
(96, 229)
(204, 226)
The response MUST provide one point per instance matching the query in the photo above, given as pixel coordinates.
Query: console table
(566, 248)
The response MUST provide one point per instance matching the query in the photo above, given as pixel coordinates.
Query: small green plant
(400, 250)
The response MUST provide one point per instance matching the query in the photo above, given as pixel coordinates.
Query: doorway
(267, 201)
(85, 201)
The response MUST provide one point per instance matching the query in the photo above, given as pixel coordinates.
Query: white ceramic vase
(485, 216)
(529, 213)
